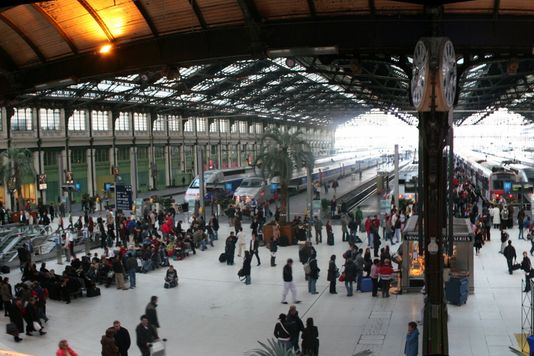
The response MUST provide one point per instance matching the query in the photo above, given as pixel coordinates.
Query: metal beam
(394, 35)
(24, 37)
(198, 14)
(57, 27)
(94, 14)
(146, 17)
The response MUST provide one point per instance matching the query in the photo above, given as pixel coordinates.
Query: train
(498, 179)
(218, 182)
(227, 182)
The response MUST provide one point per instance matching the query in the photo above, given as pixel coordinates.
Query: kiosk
(459, 264)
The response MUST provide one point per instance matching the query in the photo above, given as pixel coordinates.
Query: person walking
(385, 273)
(241, 242)
(478, 241)
(145, 334)
(15, 312)
(122, 338)
(313, 276)
(374, 276)
(254, 247)
(64, 349)
(350, 274)
(359, 265)
(411, 347)
(229, 248)
(310, 339)
(246, 267)
(333, 274)
(289, 285)
(151, 313)
(294, 326)
(510, 255)
(273, 248)
(281, 332)
(118, 270)
(131, 269)
(520, 225)
(109, 347)
(526, 266)
(318, 226)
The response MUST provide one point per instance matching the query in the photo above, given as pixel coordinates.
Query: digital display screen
(507, 186)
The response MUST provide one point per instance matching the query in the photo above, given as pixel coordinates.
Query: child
(411, 348)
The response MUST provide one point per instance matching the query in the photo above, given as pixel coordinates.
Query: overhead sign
(455, 238)
(123, 196)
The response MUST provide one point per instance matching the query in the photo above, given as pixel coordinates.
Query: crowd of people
(140, 244)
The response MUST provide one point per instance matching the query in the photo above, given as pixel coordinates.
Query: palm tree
(280, 153)
(270, 348)
(16, 163)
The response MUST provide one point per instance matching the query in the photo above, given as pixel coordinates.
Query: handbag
(342, 277)
(337, 273)
(37, 326)
(240, 273)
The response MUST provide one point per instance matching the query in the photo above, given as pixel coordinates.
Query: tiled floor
(212, 313)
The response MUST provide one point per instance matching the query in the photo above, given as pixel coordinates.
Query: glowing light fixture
(105, 49)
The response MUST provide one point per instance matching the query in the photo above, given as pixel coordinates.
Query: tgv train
(218, 182)
(226, 182)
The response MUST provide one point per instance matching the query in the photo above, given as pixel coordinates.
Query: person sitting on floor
(171, 278)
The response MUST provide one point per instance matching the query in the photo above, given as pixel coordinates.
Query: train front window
(251, 184)
(194, 183)
(497, 184)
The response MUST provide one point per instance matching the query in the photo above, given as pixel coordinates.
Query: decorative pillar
(433, 90)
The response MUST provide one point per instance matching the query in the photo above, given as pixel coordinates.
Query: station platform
(233, 316)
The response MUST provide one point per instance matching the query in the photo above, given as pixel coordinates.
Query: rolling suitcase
(330, 240)
(157, 348)
(366, 285)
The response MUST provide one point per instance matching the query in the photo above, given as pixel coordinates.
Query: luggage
(11, 329)
(457, 290)
(93, 292)
(330, 240)
(222, 257)
(366, 285)
(5, 269)
(157, 348)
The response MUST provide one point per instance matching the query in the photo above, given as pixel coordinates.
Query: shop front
(458, 264)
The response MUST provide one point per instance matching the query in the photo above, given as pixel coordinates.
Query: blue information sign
(124, 196)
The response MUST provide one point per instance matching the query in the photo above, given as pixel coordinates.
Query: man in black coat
(145, 334)
(509, 253)
(151, 313)
(295, 326)
(122, 338)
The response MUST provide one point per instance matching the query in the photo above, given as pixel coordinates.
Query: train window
(251, 183)
(497, 185)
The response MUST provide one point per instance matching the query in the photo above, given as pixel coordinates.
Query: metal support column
(434, 128)
(396, 184)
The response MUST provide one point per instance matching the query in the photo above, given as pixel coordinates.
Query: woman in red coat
(64, 349)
